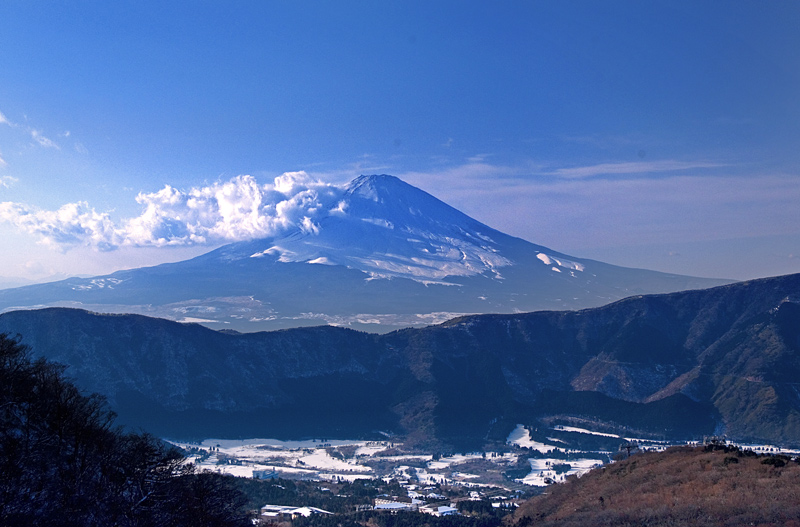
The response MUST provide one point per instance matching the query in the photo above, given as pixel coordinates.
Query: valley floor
(531, 457)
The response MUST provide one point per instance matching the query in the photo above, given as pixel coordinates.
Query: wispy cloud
(42, 140)
(6, 181)
(636, 167)
(476, 168)
(36, 135)
(564, 213)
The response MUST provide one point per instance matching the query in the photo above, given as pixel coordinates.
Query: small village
(391, 497)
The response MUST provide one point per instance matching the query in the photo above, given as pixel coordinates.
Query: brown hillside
(702, 486)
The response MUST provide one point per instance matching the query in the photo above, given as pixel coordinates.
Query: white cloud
(6, 181)
(36, 135)
(42, 140)
(640, 167)
(72, 224)
(234, 210)
(3, 164)
(559, 212)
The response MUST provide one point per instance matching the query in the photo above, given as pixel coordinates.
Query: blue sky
(652, 134)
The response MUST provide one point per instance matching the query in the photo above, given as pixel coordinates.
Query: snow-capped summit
(376, 253)
(388, 228)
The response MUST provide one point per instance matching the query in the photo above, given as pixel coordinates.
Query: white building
(439, 511)
(284, 512)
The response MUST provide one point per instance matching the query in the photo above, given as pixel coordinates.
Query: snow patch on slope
(98, 283)
(561, 262)
(521, 437)
(378, 226)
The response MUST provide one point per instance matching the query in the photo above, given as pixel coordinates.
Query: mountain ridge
(678, 365)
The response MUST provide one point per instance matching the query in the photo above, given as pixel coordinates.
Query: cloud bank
(233, 210)
(570, 211)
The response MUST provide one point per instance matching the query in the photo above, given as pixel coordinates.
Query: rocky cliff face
(681, 364)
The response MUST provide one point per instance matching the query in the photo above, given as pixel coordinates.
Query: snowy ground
(349, 460)
(288, 458)
(582, 431)
(336, 460)
(521, 437)
(543, 474)
(458, 459)
(333, 460)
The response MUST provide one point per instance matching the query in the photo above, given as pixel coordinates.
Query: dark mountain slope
(677, 365)
(734, 347)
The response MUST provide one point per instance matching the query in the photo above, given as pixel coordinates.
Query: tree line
(63, 461)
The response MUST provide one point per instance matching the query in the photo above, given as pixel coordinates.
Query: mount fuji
(383, 255)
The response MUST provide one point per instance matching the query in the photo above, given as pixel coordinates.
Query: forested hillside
(64, 463)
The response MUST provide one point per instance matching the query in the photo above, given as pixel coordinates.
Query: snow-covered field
(349, 460)
(582, 431)
(336, 460)
(543, 473)
(287, 458)
(521, 437)
(447, 462)
(343, 460)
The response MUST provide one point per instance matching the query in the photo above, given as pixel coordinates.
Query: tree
(63, 462)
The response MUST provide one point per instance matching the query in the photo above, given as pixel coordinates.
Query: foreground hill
(380, 255)
(680, 365)
(64, 463)
(702, 486)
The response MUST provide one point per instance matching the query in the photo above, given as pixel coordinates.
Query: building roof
(277, 510)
